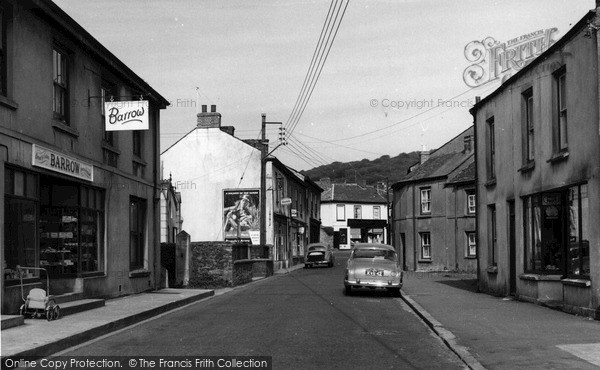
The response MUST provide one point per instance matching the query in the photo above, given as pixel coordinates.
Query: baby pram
(38, 303)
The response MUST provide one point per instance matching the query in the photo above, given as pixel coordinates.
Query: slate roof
(465, 175)
(352, 193)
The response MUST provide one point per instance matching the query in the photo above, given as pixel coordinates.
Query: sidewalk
(38, 337)
(500, 333)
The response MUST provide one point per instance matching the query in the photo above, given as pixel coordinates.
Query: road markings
(588, 351)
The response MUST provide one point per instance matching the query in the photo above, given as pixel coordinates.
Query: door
(512, 248)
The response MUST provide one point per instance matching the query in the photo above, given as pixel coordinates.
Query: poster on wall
(241, 214)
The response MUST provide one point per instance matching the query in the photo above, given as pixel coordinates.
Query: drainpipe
(156, 201)
(414, 221)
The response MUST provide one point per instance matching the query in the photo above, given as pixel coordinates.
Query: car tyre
(348, 290)
(395, 292)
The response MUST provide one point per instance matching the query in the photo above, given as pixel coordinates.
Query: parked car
(318, 254)
(373, 265)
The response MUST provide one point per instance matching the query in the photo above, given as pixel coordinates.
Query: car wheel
(348, 290)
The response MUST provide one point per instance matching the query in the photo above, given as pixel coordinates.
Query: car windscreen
(374, 253)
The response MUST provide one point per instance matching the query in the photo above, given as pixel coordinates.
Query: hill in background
(382, 169)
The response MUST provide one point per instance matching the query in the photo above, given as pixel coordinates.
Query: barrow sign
(126, 115)
(58, 162)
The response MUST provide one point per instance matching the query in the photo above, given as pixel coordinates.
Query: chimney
(228, 129)
(468, 144)
(209, 119)
(424, 155)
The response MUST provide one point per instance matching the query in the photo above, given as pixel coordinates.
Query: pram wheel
(56, 310)
(49, 314)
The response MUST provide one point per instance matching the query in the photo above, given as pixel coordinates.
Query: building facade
(538, 169)
(79, 202)
(171, 222)
(434, 210)
(219, 178)
(293, 213)
(356, 213)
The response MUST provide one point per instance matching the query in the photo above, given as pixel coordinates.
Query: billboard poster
(241, 213)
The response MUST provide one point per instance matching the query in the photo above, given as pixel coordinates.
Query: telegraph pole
(264, 153)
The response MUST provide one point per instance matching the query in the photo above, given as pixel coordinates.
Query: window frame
(4, 18)
(493, 234)
(357, 212)
(337, 212)
(471, 251)
(61, 112)
(425, 246)
(106, 92)
(137, 252)
(528, 123)
(378, 215)
(471, 209)
(560, 80)
(491, 148)
(425, 201)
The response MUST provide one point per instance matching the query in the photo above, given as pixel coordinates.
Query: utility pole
(264, 152)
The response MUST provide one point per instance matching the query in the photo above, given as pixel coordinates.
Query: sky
(392, 83)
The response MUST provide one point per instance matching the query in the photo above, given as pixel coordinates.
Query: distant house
(538, 155)
(355, 213)
(434, 210)
(170, 212)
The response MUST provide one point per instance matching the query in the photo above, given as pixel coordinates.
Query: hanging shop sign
(294, 213)
(58, 162)
(126, 115)
(286, 201)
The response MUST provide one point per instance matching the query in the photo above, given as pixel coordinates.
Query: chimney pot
(203, 108)
(213, 108)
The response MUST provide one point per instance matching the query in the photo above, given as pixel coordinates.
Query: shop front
(557, 247)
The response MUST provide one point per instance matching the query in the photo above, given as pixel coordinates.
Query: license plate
(373, 272)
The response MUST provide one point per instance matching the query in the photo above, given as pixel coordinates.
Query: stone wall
(211, 265)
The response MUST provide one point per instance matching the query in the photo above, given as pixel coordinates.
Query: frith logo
(493, 60)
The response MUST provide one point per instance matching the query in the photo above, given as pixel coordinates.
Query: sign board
(58, 162)
(294, 212)
(254, 236)
(126, 115)
(241, 213)
(286, 201)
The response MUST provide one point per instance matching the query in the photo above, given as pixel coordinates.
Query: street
(301, 319)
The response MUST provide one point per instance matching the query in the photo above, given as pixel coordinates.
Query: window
(137, 143)
(471, 245)
(493, 235)
(579, 232)
(137, 221)
(3, 50)
(561, 104)
(426, 200)
(528, 121)
(491, 149)
(106, 94)
(61, 91)
(340, 211)
(425, 245)
(357, 212)
(139, 169)
(20, 222)
(376, 212)
(471, 205)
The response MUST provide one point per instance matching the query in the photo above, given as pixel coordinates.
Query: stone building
(433, 216)
(79, 201)
(538, 170)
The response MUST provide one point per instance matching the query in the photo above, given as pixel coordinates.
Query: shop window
(471, 245)
(425, 245)
(20, 224)
(71, 228)
(579, 232)
(546, 231)
(137, 222)
(425, 200)
(60, 82)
